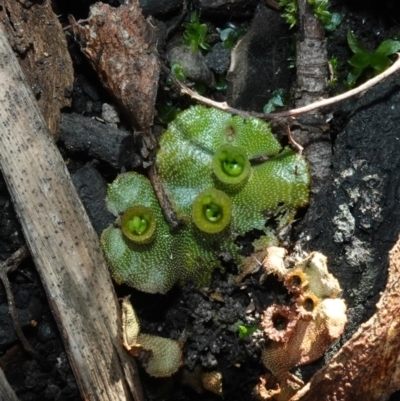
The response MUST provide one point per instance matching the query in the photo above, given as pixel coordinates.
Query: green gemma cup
(138, 224)
(231, 165)
(212, 210)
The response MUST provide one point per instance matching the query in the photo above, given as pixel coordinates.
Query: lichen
(204, 163)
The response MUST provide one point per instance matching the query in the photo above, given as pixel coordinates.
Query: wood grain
(62, 242)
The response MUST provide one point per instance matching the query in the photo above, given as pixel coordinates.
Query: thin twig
(290, 113)
(178, 22)
(298, 147)
(163, 199)
(6, 267)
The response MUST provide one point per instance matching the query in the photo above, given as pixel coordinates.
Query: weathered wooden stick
(6, 392)
(62, 242)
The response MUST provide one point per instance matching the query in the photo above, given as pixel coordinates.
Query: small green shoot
(246, 331)
(333, 63)
(196, 34)
(230, 36)
(364, 60)
(178, 71)
(278, 99)
(290, 9)
(329, 20)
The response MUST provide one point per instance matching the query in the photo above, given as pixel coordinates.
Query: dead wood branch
(62, 243)
(311, 85)
(367, 367)
(6, 392)
(311, 58)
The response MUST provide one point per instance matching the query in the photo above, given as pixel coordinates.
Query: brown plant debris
(212, 381)
(300, 333)
(199, 381)
(6, 267)
(121, 46)
(367, 367)
(159, 356)
(37, 38)
(279, 323)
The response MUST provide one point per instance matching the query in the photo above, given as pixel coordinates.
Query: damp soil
(354, 221)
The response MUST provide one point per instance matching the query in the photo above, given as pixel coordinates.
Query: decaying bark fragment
(121, 46)
(37, 37)
(368, 366)
(62, 242)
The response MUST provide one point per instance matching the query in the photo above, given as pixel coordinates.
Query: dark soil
(354, 221)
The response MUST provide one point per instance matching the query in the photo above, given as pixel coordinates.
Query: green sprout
(364, 60)
(196, 34)
(178, 71)
(333, 67)
(230, 36)
(290, 9)
(246, 331)
(329, 20)
(278, 99)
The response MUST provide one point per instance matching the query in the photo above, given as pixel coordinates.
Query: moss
(194, 142)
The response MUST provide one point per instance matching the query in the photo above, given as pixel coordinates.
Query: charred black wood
(81, 134)
(92, 189)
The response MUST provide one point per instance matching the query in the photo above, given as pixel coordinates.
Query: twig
(163, 200)
(290, 113)
(178, 22)
(295, 144)
(6, 267)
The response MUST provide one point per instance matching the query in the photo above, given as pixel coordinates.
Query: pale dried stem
(290, 113)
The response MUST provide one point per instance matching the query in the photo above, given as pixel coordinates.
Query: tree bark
(36, 35)
(62, 242)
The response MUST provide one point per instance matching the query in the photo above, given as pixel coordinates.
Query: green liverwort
(203, 162)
